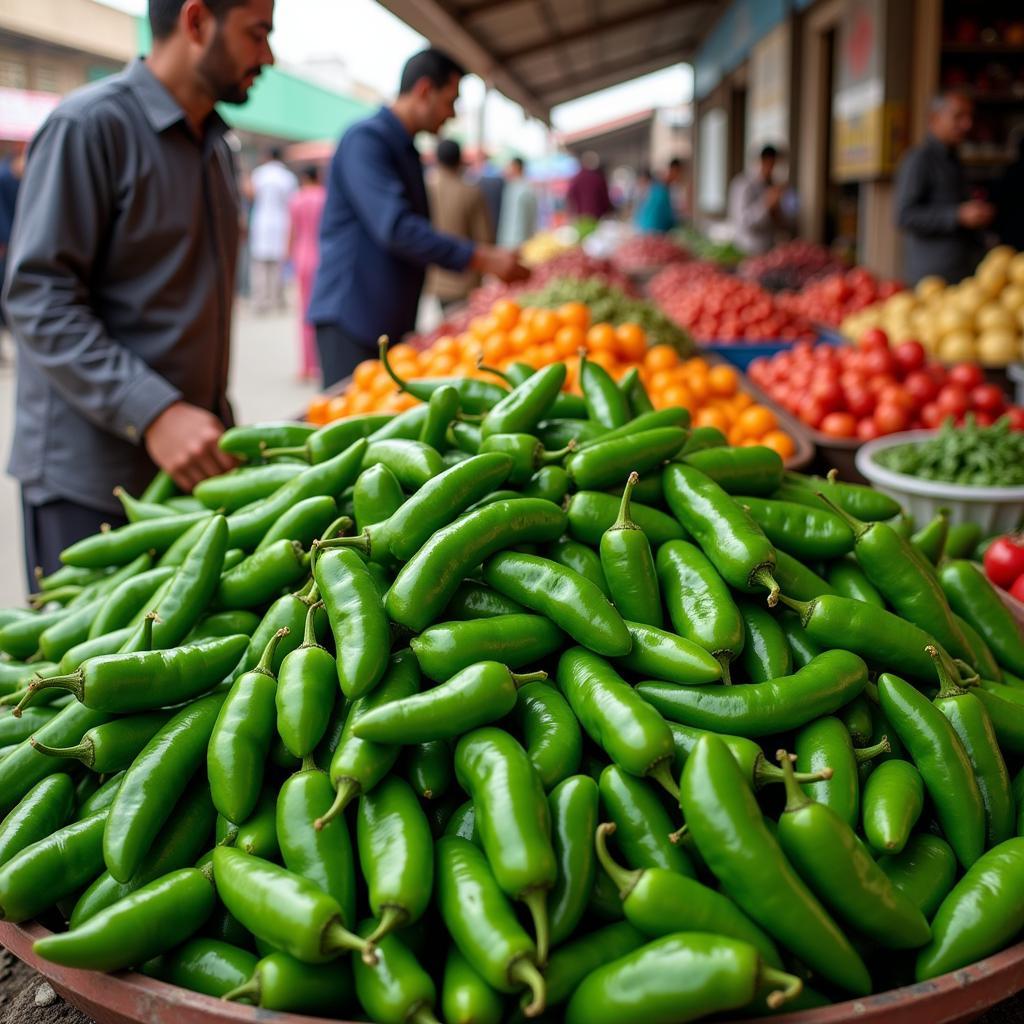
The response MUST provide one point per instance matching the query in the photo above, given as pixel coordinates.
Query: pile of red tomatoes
(1004, 563)
(872, 389)
(831, 299)
(642, 252)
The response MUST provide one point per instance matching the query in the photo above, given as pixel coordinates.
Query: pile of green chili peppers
(516, 704)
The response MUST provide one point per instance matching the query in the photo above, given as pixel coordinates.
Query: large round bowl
(954, 998)
(994, 509)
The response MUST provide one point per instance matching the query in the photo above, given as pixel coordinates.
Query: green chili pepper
(856, 716)
(797, 581)
(930, 540)
(288, 612)
(984, 912)
(473, 600)
(303, 523)
(702, 438)
(893, 800)
(856, 499)
(962, 539)
(122, 604)
(357, 765)
(256, 579)
(251, 443)
(360, 629)
(481, 693)
(660, 902)
(113, 746)
(282, 908)
(462, 823)
(153, 784)
(376, 497)
(396, 989)
(179, 843)
(573, 962)
(973, 725)
(465, 997)
(14, 730)
(280, 982)
(761, 709)
(16, 675)
(974, 598)
(240, 487)
(122, 545)
(615, 717)
(208, 966)
(672, 416)
(924, 871)
(522, 408)
(839, 869)
(241, 737)
(557, 433)
(605, 403)
(527, 453)
(733, 543)
(580, 558)
(1006, 718)
(429, 579)
(642, 824)
(753, 470)
(573, 808)
(765, 653)
(514, 640)
(512, 819)
(123, 683)
(939, 756)
(224, 624)
(604, 462)
(412, 462)
(549, 482)
(726, 822)
(549, 731)
(590, 513)
(801, 531)
(442, 407)
(482, 923)
(848, 580)
(428, 768)
(52, 868)
(136, 511)
(878, 635)
(323, 444)
(628, 566)
(982, 658)
(677, 978)
(322, 856)
(160, 488)
(396, 853)
(466, 437)
(306, 688)
(661, 655)
(248, 525)
(103, 797)
(45, 808)
(475, 395)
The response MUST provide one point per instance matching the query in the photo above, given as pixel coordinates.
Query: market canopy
(541, 53)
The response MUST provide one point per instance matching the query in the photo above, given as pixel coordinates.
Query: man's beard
(220, 76)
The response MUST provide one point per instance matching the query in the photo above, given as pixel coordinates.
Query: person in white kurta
(272, 188)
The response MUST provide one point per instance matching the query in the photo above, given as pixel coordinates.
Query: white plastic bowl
(994, 509)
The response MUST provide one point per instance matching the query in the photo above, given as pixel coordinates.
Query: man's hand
(502, 263)
(183, 441)
(975, 213)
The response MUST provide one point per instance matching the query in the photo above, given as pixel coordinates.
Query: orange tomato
(698, 385)
(446, 345)
(779, 441)
(403, 350)
(755, 421)
(708, 416)
(506, 313)
(569, 340)
(365, 372)
(723, 380)
(575, 314)
(337, 407)
(361, 401)
(601, 338)
(441, 364)
(602, 358)
(520, 338)
(661, 357)
(631, 342)
(676, 394)
(543, 325)
(495, 348)
(660, 380)
(316, 411)
(548, 353)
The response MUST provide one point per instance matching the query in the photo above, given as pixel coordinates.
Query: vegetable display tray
(126, 998)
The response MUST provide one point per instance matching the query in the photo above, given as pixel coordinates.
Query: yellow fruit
(998, 347)
(929, 286)
(970, 297)
(956, 347)
(994, 316)
(1015, 269)
(1012, 297)
(952, 319)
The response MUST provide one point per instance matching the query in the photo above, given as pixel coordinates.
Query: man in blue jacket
(376, 239)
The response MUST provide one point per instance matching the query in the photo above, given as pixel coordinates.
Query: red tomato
(859, 401)
(988, 398)
(828, 392)
(876, 385)
(967, 375)
(910, 355)
(953, 400)
(867, 430)
(879, 362)
(894, 394)
(983, 419)
(931, 415)
(921, 386)
(890, 419)
(874, 338)
(812, 411)
(1004, 559)
(1015, 414)
(839, 424)
(938, 373)
(1017, 590)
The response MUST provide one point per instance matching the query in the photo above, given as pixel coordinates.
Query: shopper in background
(588, 190)
(11, 170)
(376, 239)
(941, 224)
(656, 212)
(519, 206)
(120, 285)
(456, 208)
(305, 210)
(488, 179)
(1009, 197)
(755, 205)
(273, 186)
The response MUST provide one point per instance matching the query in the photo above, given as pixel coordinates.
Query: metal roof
(544, 52)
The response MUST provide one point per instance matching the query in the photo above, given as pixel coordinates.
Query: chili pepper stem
(679, 835)
(147, 630)
(766, 773)
(361, 542)
(968, 674)
(391, 918)
(336, 938)
(309, 631)
(795, 796)
(623, 880)
(73, 681)
(248, 990)
(792, 986)
(802, 608)
(522, 678)
(864, 754)
(347, 790)
(763, 575)
(336, 528)
(308, 590)
(422, 1015)
(84, 751)
(724, 658)
(527, 973)
(948, 685)
(536, 901)
(624, 521)
(265, 666)
(382, 351)
(858, 527)
(662, 773)
(500, 374)
(14, 698)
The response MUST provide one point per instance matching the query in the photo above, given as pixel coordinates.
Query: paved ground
(264, 385)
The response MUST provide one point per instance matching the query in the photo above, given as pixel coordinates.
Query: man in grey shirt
(120, 274)
(940, 222)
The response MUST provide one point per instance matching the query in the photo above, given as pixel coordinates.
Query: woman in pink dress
(306, 207)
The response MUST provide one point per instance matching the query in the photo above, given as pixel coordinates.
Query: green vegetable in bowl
(969, 455)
